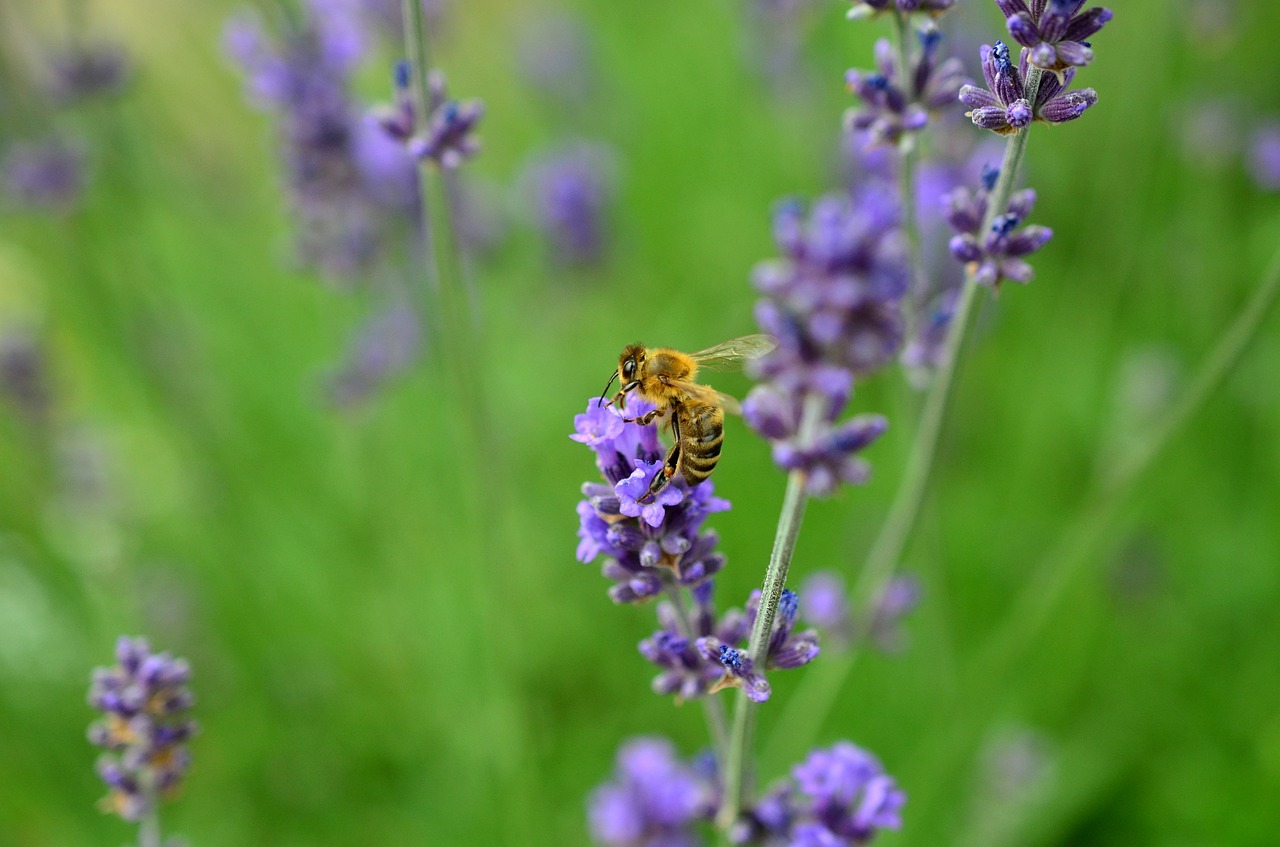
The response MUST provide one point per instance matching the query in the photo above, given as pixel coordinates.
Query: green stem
(149, 826)
(736, 772)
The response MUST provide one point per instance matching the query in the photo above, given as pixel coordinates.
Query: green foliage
(377, 664)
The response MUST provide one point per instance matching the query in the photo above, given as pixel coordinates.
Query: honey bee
(665, 377)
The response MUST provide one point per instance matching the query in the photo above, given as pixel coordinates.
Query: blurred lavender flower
(1208, 131)
(86, 70)
(144, 701)
(554, 53)
(47, 175)
(1264, 157)
(868, 8)
(654, 799)
(787, 649)
(998, 254)
(1054, 31)
(889, 109)
(845, 798)
(1003, 107)
(826, 605)
(387, 16)
(447, 136)
(341, 180)
(24, 375)
(647, 545)
(833, 302)
(899, 598)
(384, 347)
(570, 190)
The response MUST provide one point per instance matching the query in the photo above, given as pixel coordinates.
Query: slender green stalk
(149, 826)
(737, 763)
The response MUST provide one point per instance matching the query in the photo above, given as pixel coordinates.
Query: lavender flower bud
(1054, 32)
(653, 798)
(1002, 106)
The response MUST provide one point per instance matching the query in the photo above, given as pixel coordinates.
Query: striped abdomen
(701, 435)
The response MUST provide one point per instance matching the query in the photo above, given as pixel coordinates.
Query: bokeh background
(202, 440)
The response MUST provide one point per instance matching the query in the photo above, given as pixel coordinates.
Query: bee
(665, 377)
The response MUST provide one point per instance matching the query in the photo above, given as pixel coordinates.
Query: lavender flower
(834, 304)
(86, 70)
(654, 799)
(339, 179)
(845, 798)
(647, 545)
(868, 8)
(1003, 106)
(24, 376)
(554, 54)
(144, 701)
(826, 605)
(898, 599)
(891, 110)
(570, 190)
(787, 649)
(48, 174)
(385, 346)
(997, 255)
(685, 671)
(1054, 31)
(447, 136)
(1264, 157)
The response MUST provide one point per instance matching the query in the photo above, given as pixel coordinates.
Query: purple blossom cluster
(1004, 106)
(144, 700)
(383, 347)
(570, 190)
(868, 8)
(837, 797)
(998, 254)
(447, 136)
(50, 174)
(704, 655)
(347, 181)
(892, 108)
(1054, 31)
(87, 69)
(834, 302)
(647, 544)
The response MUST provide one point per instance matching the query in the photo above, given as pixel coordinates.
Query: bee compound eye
(629, 368)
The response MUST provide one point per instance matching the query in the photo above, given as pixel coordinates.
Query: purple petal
(1028, 240)
(978, 98)
(1024, 30)
(1087, 24)
(1069, 106)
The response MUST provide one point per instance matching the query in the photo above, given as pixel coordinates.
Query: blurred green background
(377, 664)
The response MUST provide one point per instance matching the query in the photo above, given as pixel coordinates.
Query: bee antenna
(606, 387)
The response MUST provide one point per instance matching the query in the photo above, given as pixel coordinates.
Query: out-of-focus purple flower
(88, 69)
(997, 255)
(570, 190)
(868, 8)
(1054, 31)
(1264, 157)
(144, 700)
(447, 136)
(891, 109)
(49, 174)
(387, 16)
(685, 671)
(648, 545)
(845, 797)
(926, 350)
(898, 599)
(833, 303)
(653, 800)
(826, 605)
(554, 53)
(1003, 106)
(384, 347)
(1208, 131)
(24, 376)
(339, 179)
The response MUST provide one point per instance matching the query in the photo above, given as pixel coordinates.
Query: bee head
(628, 366)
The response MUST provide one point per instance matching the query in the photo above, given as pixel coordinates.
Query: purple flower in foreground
(1264, 157)
(49, 174)
(685, 671)
(845, 798)
(1003, 106)
(866, 8)
(654, 799)
(144, 701)
(891, 109)
(996, 255)
(651, 544)
(787, 649)
(1054, 31)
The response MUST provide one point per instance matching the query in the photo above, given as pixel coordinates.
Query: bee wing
(729, 404)
(735, 350)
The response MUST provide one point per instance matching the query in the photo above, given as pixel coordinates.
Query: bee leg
(662, 477)
(643, 420)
